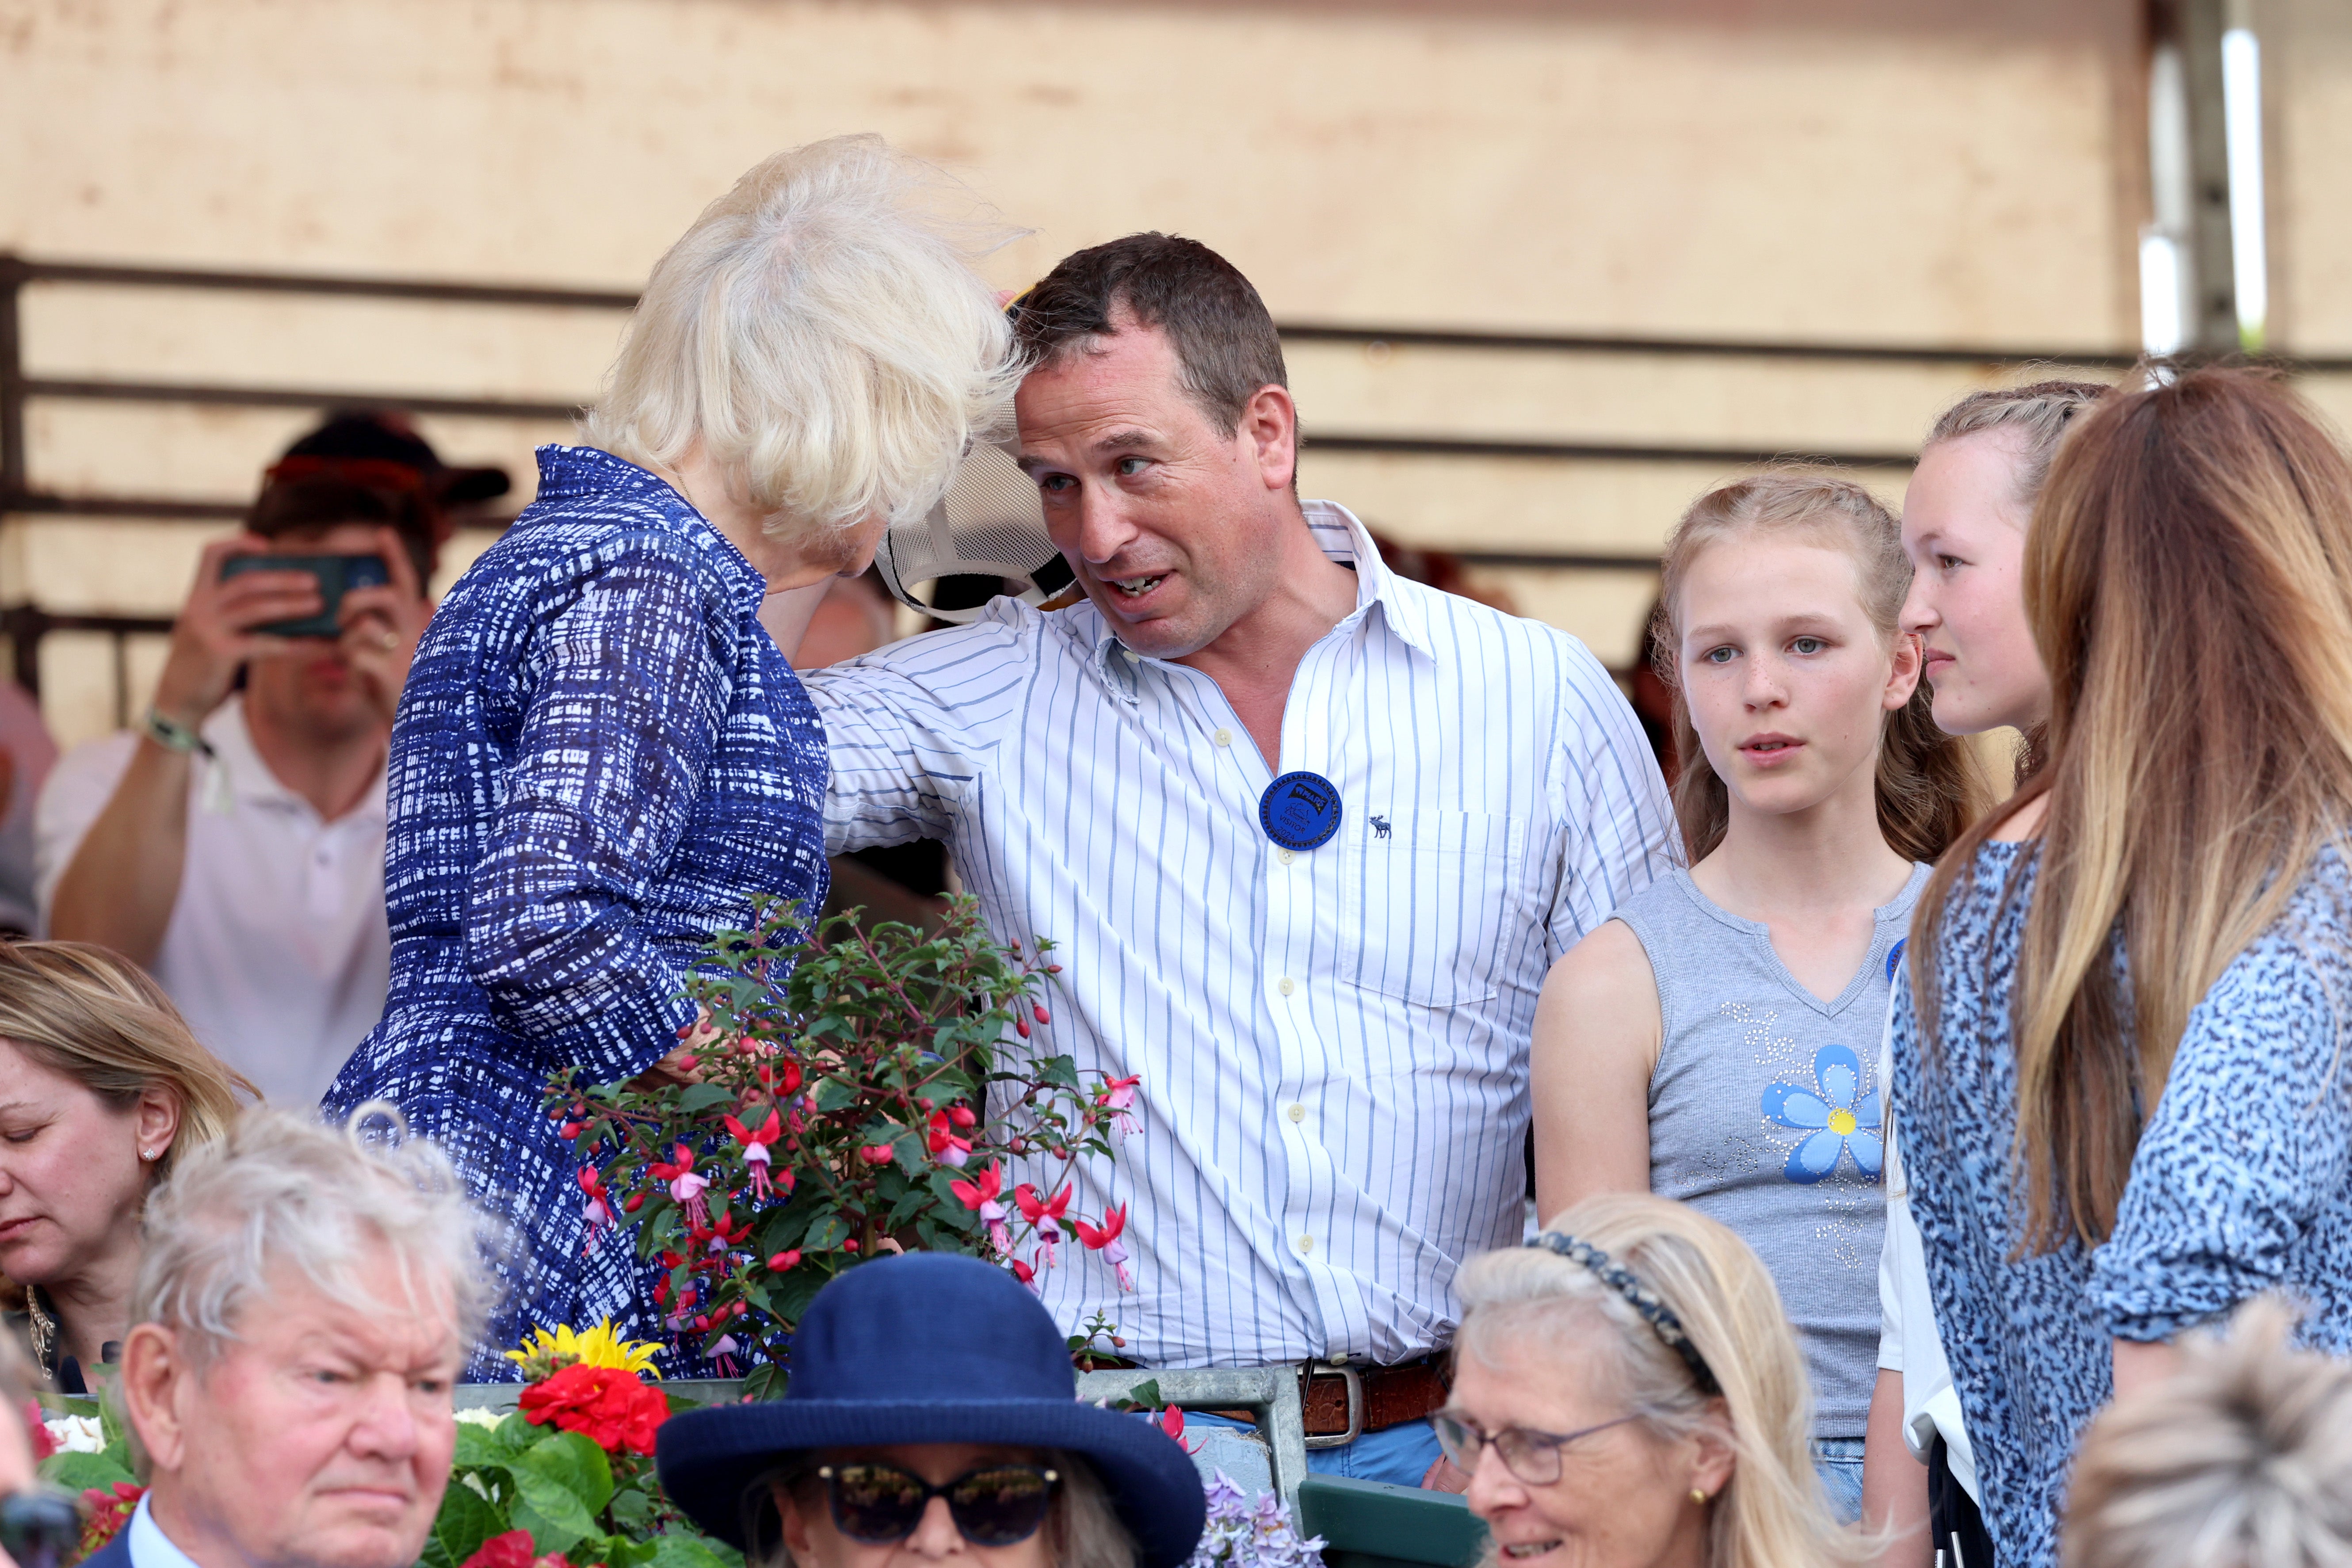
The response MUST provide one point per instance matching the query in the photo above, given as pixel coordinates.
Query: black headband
(1640, 1297)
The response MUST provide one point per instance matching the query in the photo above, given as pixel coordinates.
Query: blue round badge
(1300, 811)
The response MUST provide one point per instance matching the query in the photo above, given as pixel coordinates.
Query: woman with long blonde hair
(1628, 1394)
(102, 1090)
(2125, 1088)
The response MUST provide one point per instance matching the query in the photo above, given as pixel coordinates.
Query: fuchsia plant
(858, 1094)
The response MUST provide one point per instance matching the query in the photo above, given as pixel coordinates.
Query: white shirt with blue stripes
(1333, 1043)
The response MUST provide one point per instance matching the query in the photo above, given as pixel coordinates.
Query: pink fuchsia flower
(755, 1150)
(782, 1262)
(946, 1147)
(1046, 1216)
(1118, 1096)
(875, 1153)
(597, 1213)
(1171, 1421)
(981, 1195)
(1023, 1272)
(683, 1185)
(1104, 1238)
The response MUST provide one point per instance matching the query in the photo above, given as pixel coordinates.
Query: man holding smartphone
(232, 841)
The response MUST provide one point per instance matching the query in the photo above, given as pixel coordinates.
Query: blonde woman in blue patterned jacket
(600, 757)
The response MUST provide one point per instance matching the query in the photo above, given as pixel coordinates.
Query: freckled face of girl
(1788, 684)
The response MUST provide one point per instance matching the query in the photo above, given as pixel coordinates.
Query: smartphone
(337, 576)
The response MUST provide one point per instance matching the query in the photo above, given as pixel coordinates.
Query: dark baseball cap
(384, 436)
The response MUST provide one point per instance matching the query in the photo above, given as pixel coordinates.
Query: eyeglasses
(996, 1505)
(40, 1530)
(1532, 1455)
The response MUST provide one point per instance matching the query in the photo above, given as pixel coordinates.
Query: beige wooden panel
(1768, 404)
(75, 330)
(1577, 507)
(1908, 170)
(197, 452)
(2307, 68)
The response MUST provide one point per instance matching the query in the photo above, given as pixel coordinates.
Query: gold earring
(1698, 1496)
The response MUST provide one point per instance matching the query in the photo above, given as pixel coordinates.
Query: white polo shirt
(278, 951)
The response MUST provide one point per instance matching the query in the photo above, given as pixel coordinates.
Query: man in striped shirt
(1331, 1031)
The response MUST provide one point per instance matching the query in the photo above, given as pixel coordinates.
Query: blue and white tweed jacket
(600, 760)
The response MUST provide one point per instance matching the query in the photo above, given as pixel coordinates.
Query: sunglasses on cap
(995, 1505)
(39, 1529)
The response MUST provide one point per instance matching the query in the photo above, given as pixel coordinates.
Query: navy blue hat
(931, 1347)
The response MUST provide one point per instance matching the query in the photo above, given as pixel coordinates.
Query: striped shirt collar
(1341, 535)
(569, 473)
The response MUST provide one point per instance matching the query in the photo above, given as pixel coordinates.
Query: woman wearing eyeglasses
(895, 1442)
(1628, 1394)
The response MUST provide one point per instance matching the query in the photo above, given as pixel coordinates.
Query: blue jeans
(1399, 1455)
(1838, 1461)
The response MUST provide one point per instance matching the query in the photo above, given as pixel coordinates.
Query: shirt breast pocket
(1430, 903)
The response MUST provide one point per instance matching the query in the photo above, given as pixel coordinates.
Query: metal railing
(25, 624)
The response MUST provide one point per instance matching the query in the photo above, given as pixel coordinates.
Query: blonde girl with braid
(1964, 522)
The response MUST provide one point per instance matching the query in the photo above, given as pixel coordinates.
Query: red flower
(104, 1514)
(37, 1426)
(783, 1261)
(986, 1183)
(1042, 1213)
(613, 1407)
(875, 1153)
(513, 1550)
(1098, 1238)
(946, 1146)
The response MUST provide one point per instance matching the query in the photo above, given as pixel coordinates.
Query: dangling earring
(1698, 1496)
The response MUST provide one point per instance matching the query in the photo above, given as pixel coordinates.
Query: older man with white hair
(302, 1311)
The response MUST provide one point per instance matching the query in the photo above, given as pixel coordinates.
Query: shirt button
(1306, 1245)
(1285, 987)
(1299, 1113)
(1222, 737)
(1284, 855)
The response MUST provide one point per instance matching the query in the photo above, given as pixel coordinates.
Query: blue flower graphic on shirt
(1839, 1124)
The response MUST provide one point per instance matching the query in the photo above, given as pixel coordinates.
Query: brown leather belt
(1341, 1402)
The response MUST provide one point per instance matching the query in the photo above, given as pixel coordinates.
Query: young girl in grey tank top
(1717, 1041)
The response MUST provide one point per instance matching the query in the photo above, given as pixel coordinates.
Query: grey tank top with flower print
(1766, 1114)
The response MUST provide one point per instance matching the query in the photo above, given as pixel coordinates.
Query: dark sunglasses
(1530, 1455)
(40, 1530)
(995, 1505)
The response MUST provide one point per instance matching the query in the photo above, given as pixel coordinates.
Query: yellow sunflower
(546, 1352)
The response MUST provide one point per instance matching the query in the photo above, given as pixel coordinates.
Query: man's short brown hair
(1227, 347)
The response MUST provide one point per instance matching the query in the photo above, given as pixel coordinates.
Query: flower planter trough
(1271, 1393)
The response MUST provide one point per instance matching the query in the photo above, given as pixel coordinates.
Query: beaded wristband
(173, 735)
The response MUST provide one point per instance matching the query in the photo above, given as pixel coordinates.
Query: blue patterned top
(600, 760)
(2243, 1182)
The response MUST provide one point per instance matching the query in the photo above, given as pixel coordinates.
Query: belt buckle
(1354, 1380)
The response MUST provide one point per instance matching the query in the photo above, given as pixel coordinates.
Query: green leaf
(552, 1513)
(1143, 1397)
(631, 1507)
(467, 1520)
(622, 1552)
(481, 1446)
(826, 1235)
(79, 1472)
(765, 1381)
(561, 1484)
(702, 1096)
(1059, 1071)
(681, 1549)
